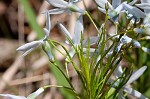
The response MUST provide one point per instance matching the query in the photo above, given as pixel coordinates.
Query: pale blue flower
(48, 25)
(113, 10)
(137, 13)
(135, 75)
(31, 96)
(133, 12)
(28, 47)
(78, 31)
(136, 44)
(146, 50)
(145, 27)
(145, 4)
(63, 6)
(124, 40)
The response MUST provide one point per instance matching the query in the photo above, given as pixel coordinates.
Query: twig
(9, 73)
(30, 79)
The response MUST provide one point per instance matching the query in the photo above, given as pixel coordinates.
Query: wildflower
(132, 78)
(145, 4)
(63, 6)
(113, 10)
(48, 25)
(31, 96)
(136, 44)
(124, 40)
(47, 49)
(145, 27)
(77, 31)
(28, 47)
(146, 50)
(134, 11)
(77, 34)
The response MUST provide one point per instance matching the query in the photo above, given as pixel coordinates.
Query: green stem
(49, 86)
(88, 15)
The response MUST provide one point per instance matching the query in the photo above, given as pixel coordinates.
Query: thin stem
(67, 72)
(49, 86)
(116, 26)
(92, 22)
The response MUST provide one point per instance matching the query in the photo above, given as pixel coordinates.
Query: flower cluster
(98, 64)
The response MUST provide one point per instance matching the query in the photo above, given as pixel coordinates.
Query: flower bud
(136, 44)
(47, 49)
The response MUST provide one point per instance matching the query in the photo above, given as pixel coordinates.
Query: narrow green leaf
(31, 17)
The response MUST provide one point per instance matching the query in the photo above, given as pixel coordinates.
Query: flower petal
(27, 52)
(119, 47)
(144, 6)
(74, 8)
(30, 45)
(58, 3)
(125, 39)
(78, 31)
(74, 1)
(48, 24)
(119, 8)
(136, 44)
(102, 3)
(65, 31)
(71, 53)
(134, 11)
(12, 96)
(145, 1)
(146, 50)
(57, 11)
(134, 93)
(136, 74)
(118, 71)
(47, 32)
(92, 50)
(138, 30)
(102, 10)
(116, 3)
(35, 94)
(93, 40)
(133, 2)
(120, 95)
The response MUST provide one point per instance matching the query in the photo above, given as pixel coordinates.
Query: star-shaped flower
(28, 47)
(63, 6)
(77, 34)
(145, 4)
(113, 10)
(124, 40)
(132, 78)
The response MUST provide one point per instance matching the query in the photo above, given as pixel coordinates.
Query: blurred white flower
(124, 40)
(134, 11)
(132, 78)
(145, 27)
(31, 96)
(136, 44)
(113, 10)
(63, 6)
(145, 4)
(77, 34)
(28, 47)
